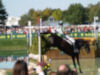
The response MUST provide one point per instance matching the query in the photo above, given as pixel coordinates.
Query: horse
(61, 44)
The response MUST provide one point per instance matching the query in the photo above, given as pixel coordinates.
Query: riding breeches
(70, 39)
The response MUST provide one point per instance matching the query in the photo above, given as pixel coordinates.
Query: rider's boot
(75, 49)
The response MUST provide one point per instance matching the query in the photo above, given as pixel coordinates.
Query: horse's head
(85, 44)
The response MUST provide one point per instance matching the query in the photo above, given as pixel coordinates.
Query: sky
(19, 7)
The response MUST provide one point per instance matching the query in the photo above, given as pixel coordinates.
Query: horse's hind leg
(77, 57)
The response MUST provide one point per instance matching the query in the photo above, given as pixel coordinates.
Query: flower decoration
(45, 66)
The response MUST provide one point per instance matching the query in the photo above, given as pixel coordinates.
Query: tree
(24, 20)
(86, 15)
(3, 14)
(46, 13)
(32, 16)
(30, 13)
(57, 14)
(64, 16)
(76, 14)
(94, 11)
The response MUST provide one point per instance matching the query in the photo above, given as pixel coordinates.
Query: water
(6, 65)
(11, 61)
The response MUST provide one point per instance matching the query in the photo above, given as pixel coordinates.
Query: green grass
(9, 73)
(15, 47)
(34, 47)
(13, 52)
(14, 44)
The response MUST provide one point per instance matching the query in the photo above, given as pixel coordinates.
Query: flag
(39, 21)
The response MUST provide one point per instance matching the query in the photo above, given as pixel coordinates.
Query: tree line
(3, 13)
(75, 14)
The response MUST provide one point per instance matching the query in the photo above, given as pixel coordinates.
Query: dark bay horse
(56, 41)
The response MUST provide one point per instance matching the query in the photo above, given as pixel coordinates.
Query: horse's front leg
(77, 57)
(73, 58)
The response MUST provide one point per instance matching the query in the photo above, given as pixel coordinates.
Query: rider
(69, 39)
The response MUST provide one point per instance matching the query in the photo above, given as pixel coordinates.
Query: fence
(14, 36)
(83, 34)
(75, 34)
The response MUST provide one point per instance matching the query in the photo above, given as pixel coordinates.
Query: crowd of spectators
(24, 30)
(79, 29)
(12, 30)
(21, 68)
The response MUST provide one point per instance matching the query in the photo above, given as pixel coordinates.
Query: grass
(34, 47)
(13, 52)
(15, 47)
(13, 44)
(9, 73)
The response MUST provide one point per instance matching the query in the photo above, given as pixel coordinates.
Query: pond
(8, 62)
(6, 65)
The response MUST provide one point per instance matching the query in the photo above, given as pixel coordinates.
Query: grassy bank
(15, 47)
(13, 44)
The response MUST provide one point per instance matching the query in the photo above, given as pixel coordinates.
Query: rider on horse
(60, 32)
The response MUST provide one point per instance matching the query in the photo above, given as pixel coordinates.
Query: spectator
(20, 68)
(65, 70)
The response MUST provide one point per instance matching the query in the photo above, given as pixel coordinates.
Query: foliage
(44, 45)
(34, 15)
(75, 14)
(24, 20)
(57, 14)
(3, 14)
(94, 11)
(46, 13)
(34, 47)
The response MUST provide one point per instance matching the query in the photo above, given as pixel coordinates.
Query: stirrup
(75, 49)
